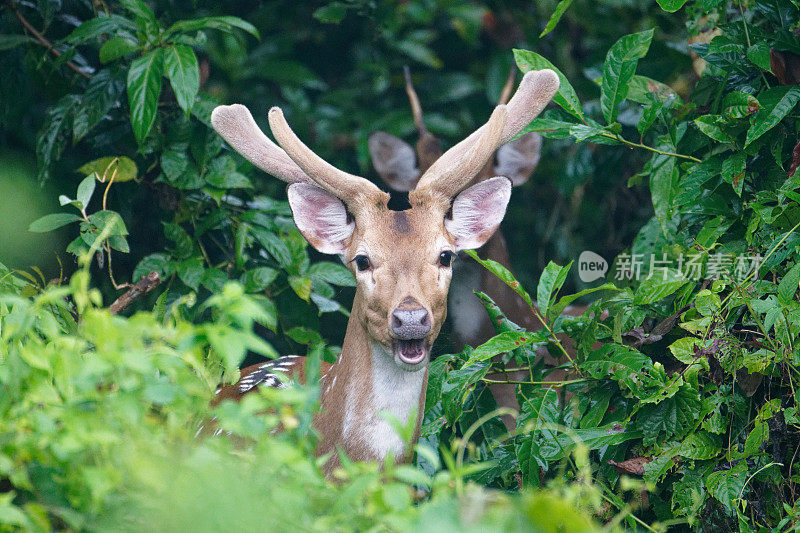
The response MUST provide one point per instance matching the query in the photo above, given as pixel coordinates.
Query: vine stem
(650, 148)
(44, 41)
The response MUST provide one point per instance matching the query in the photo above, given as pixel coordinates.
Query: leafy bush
(693, 385)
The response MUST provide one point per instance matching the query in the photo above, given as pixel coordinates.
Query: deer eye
(362, 262)
(446, 258)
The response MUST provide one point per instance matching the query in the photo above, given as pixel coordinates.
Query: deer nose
(410, 320)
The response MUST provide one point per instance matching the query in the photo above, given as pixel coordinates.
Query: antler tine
(456, 168)
(416, 107)
(448, 175)
(505, 94)
(236, 125)
(349, 188)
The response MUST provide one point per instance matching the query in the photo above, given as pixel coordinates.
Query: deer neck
(362, 383)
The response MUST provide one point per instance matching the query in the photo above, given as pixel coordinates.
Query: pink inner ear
(321, 218)
(478, 211)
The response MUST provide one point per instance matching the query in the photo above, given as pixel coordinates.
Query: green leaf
(258, 279)
(712, 125)
(564, 301)
(733, 169)
(332, 13)
(225, 23)
(301, 286)
(776, 103)
(550, 283)
(663, 183)
(102, 24)
(670, 418)
(671, 6)
(103, 93)
(505, 342)
(727, 485)
(684, 350)
(183, 72)
(222, 174)
(140, 10)
(109, 219)
(117, 47)
(144, 89)
(618, 69)
(191, 271)
(657, 288)
(7, 42)
(504, 274)
(51, 222)
(274, 246)
(120, 168)
(623, 364)
(700, 446)
(758, 54)
(566, 96)
(561, 8)
(332, 273)
(789, 285)
(85, 191)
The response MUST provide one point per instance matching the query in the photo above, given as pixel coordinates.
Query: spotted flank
(264, 375)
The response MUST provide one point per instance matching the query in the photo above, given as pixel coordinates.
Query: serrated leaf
(670, 418)
(727, 485)
(618, 69)
(181, 67)
(144, 89)
(566, 97)
(51, 222)
(776, 103)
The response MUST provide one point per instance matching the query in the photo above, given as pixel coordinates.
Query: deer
(401, 166)
(401, 259)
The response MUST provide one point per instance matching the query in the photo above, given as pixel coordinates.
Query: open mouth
(411, 351)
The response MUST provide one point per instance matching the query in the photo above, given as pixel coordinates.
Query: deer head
(400, 166)
(401, 259)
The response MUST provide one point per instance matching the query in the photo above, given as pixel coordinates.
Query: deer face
(401, 259)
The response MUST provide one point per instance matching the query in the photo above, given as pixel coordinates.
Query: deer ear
(518, 159)
(395, 161)
(478, 211)
(321, 218)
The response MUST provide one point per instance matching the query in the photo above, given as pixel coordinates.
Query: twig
(645, 147)
(139, 289)
(44, 41)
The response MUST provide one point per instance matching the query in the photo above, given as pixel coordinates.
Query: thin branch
(142, 287)
(44, 41)
(645, 147)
